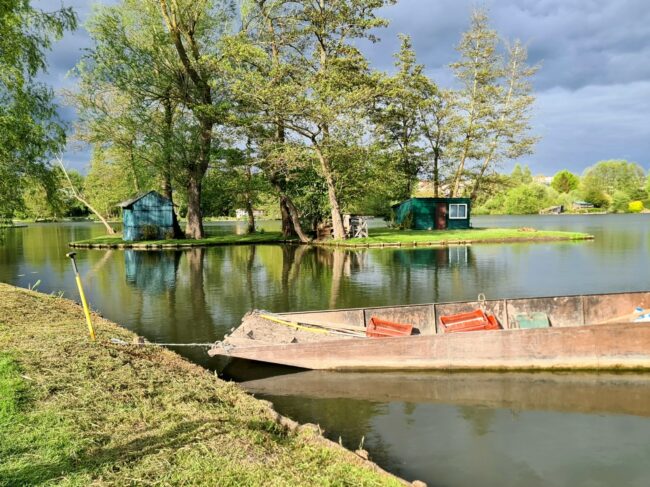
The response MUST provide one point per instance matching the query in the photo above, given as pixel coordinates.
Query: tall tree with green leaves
(195, 28)
(565, 181)
(31, 133)
(479, 70)
(259, 72)
(162, 59)
(437, 118)
(611, 176)
(331, 88)
(509, 130)
(398, 115)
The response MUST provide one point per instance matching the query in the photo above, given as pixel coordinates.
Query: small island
(377, 237)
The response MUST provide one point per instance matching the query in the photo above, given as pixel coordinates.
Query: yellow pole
(82, 295)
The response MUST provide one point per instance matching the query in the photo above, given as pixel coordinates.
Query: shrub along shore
(377, 237)
(75, 412)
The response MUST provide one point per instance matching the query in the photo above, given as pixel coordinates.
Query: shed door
(441, 216)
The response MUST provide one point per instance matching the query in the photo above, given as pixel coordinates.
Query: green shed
(434, 213)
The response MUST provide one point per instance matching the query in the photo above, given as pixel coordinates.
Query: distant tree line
(616, 186)
(222, 108)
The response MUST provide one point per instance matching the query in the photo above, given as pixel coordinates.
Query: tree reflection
(480, 419)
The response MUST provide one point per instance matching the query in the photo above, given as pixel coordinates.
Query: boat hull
(623, 346)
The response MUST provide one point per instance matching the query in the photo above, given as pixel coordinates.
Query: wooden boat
(586, 332)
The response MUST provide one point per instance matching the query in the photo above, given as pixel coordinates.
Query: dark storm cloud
(592, 91)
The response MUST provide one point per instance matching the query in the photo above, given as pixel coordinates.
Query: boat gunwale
(442, 303)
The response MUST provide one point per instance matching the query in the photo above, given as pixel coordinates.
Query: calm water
(198, 295)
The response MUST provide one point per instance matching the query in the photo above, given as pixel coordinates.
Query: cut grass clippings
(75, 412)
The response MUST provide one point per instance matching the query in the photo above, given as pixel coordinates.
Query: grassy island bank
(115, 241)
(378, 237)
(74, 412)
(386, 237)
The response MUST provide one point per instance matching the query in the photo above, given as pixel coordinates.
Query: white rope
(117, 341)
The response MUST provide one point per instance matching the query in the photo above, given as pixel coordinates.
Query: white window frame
(458, 217)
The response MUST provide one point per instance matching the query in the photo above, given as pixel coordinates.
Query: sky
(592, 90)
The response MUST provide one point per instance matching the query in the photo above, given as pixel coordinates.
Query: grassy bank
(389, 236)
(74, 412)
(246, 239)
(378, 237)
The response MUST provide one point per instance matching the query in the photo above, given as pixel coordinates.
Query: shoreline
(110, 413)
(378, 238)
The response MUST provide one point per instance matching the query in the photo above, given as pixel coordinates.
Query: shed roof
(441, 199)
(138, 197)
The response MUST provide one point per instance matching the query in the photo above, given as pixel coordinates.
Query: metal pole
(84, 303)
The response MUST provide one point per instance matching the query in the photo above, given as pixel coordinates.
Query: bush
(635, 206)
(526, 200)
(596, 197)
(620, 202)
(407, 222)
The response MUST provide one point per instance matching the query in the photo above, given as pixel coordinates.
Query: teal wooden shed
(434, 213)
(147, 216)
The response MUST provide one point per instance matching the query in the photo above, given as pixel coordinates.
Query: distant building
(541, 179)
(242, 213)
(582, 205)
(147, 216)
(434, 213)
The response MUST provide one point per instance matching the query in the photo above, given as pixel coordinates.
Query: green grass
(266, 237)
(475, 235)
(77, 413)
(377, 236)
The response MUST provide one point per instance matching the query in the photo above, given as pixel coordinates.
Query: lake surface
(198, 295)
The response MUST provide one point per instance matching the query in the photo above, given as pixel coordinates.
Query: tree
(620, 202)
(521, 175)
(611, 176)
(478, 70)
(30, 131)
(79, 196)
(565, 181)
(330, 88)
(259, 61)
(526, 199)
(437, 118)
(508, 136)
(398, 115)
(162, 58)
(195, 28)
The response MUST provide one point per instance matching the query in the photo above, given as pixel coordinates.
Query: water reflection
(482, 429)
(456, 432)
(151, 272)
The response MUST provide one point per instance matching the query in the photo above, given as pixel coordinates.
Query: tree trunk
(292, 223)
(251, 216)
(436, 174)
(337, 219)
(287, 227)
(479, 177)
(110, 230)
(167, 169)
(295, 220)
(194, 228)
(169, 194)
